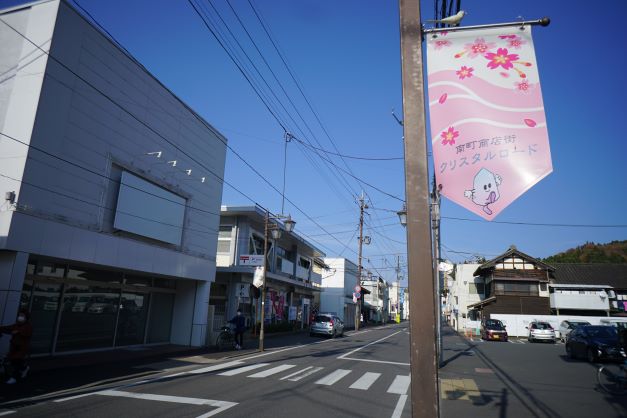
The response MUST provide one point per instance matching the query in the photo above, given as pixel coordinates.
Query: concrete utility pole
(362, 206)
(424, 372)
(435, 224)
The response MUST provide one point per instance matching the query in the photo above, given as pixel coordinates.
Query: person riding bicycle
(21, 333)
(240, 326)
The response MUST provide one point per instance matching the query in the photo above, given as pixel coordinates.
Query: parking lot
(521, 379)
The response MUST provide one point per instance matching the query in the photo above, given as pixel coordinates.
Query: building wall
(460, 297)
(336, 285)
(529, 305)
(67, 181)
(67, 212)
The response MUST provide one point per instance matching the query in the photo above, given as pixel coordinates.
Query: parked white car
(566, 327)
(540, 331)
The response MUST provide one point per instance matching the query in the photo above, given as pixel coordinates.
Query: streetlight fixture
(270, 226)
(402, 215)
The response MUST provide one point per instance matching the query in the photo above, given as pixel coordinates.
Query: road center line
(369, 344)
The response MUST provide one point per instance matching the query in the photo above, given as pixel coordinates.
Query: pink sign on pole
(488, 127)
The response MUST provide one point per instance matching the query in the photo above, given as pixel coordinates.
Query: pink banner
(488, 128)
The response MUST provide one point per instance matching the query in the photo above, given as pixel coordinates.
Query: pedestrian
(21, 333)
(240, 326)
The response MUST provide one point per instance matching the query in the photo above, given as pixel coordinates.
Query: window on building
(516, 288)
(304, 263)
(543, 287)
(475, 288)
(224, 239)
(255, 244)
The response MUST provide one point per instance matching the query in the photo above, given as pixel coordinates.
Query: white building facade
(110, 187)
(338, 286)
(464, 289)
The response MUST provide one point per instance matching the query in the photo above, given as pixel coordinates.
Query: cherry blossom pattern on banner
(448, 136)
(464, 72)
(476, 49)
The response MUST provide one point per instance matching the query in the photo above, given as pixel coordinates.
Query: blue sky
(346, 56)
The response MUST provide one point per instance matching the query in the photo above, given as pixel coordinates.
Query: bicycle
(613, 378)
(225, 339)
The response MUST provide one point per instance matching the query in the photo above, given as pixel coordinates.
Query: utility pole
(435, 225)
(424, 372)
(362, 206)
(398, 287)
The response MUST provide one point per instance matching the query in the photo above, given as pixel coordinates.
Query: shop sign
(251, 260)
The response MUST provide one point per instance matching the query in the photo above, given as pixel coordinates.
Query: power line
(265, 81)
(56, 192)
(164, 138)
(539, 224)
(297, 83)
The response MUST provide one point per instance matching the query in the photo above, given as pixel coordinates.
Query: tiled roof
(614, 275)
(512, 251)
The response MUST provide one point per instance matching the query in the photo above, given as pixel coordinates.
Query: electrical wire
(161, 136)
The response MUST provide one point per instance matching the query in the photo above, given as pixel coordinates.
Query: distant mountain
(612, 252)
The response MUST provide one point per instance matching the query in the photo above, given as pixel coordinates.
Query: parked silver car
(566, 327)
(540, 331)
(327, 324)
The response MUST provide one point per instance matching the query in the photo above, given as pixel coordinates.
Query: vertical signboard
(488, 126)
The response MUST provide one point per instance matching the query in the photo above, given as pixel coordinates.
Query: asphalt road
(522, 379)
(363, 374)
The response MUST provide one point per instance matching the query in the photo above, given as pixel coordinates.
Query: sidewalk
(61, 373)
(470, 386)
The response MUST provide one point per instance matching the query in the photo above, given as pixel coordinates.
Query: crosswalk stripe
(400, 385)
(274, 370)
(333, 377)
(243, 369)
(301, 374)
(217, 367)
(364, 382)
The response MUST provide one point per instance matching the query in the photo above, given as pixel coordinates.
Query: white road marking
(213, 368)
(69, 398)
(364, 382)
(221, 405)
(398, 411)
(301, 374)
(273, 370)
(7, 413)
(343, 356)
(243, 369)
(333, 377)
(399, 385)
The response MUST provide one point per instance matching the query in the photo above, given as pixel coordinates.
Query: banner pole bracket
(545, 21)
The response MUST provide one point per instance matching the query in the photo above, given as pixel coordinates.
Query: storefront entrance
(76, 308)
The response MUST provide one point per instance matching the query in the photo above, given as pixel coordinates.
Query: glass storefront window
(79, 273)
(132, 320)
(137, 281)
(45, 305)
(88, 317)
(50, 269)
(26, 296)
(165, 283)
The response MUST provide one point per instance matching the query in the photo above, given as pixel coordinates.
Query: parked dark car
(594, 343)
(493, 329)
